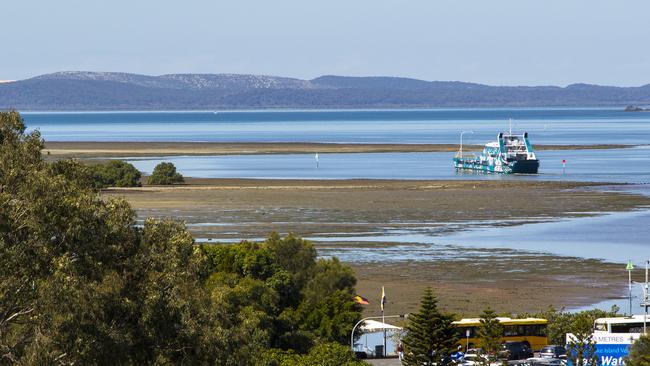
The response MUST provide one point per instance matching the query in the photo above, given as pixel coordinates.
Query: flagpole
(383, 319)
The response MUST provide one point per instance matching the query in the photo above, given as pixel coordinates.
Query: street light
(405, 316)
(646, 299)
(461, 142)
(645, 302)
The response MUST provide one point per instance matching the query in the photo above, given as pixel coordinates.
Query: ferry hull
(516, 167)
(525, 167)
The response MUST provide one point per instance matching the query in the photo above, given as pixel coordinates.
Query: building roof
(375, 326)
(505, 321)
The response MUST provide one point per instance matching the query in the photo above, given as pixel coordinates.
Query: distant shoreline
(143, 149)
(88, 90)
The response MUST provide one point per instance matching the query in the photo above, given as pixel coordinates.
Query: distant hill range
(75, 90)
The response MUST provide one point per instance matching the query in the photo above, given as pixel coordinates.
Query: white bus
(613, 337)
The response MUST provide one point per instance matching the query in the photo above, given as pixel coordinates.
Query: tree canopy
(115, 173)
(639, 352)
(430, 335)
(581, 348)
(490, 333)
(165, 174)
(81, 283)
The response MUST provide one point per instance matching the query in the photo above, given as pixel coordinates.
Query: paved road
(384, 362)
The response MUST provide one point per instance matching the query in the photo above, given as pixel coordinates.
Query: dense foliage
(115, 173)
(165, 174)
(81, 283)
(331, 354)
(581, 348)
(490, 332)
(431, 337)
(288, 298)
(639, 352)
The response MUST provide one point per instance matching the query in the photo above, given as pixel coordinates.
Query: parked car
(364, 353)
(553, 351)
(545, 361)
(515, 351)
(474, 356)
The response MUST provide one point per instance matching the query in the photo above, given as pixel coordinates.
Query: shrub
(639, 352)
(165, 174)
(115, 173)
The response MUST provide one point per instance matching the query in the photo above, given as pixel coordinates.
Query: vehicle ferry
(510, 154)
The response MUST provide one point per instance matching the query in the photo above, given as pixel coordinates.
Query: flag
(361, 300)
(383, 298)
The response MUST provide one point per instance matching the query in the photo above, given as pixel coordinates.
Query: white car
(474, 356)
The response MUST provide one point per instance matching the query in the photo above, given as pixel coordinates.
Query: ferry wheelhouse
(510, 154)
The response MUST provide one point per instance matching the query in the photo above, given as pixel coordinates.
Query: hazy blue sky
(505, 42)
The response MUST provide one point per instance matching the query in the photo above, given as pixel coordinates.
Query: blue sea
(546, 126)
(628, 165)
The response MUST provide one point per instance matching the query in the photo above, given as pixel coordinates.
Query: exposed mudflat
(467, 280)
(143, 149)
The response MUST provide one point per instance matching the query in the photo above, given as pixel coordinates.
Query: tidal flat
(466, 279)
(81, 149)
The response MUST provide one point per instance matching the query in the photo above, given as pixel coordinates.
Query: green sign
(630, 266)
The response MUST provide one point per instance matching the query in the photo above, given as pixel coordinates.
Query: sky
(496, 42)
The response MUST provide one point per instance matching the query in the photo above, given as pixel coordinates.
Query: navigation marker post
(629, 269)
(563, 166)
(317, 160)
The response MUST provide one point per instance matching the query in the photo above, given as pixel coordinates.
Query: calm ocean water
(546, 126)
(629, 165)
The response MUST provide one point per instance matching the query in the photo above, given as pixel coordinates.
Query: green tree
(326, 354)
(115, 173)
(330, 354)
(581, 349)
(80, 283)
(301, 300)
(326, 308)
(165, 174)
(431, 336)
(490, 333)
(639, 352)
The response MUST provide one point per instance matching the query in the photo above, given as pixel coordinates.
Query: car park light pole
(646, 301)
(404, 316)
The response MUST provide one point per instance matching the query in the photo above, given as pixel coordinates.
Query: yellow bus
(531, 330)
